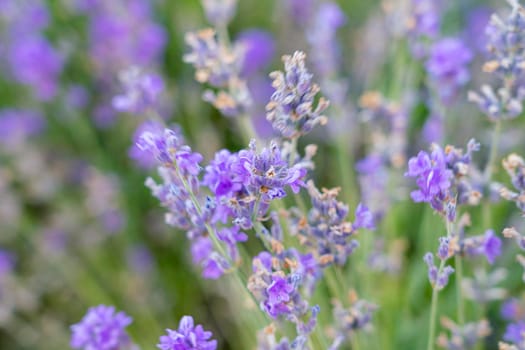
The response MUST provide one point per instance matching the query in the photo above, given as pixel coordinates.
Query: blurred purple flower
(448, 67)
(258, 47)
(141, 158)
(187, 337)
(35, 62)
(7, 262)
(141, 91)
(17, 125)
(101, 329)
(363, 218)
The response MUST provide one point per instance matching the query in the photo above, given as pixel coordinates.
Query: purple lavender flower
(363, 218)
(491, 246)
(187, 337)
(438, 279)
(448, 67)
(424, 25)
(515, 333)
(267, 174)
(278, 295)
(322, 37)
(16, 125)
(167, 148)
(258, 48)
(511, 309)
(301, 11)
(141, 91)
(506, 45)
(7, 262)
(101, 329)
(291, 108)
(432, 177)
(36, 63)
(141, 158)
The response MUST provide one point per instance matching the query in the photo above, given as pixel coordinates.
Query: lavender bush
(271, 175)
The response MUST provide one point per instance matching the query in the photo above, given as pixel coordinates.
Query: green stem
(494, 144)
(433, 312)
(459, 293)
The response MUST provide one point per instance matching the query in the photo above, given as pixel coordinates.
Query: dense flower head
(433, 177)
(141, 158)
(187, 337)
(277, 281)
(506, 46)
(325, 229)
(141, 91)
(268, 174)
(102, 329)
(291, 108)
(220, 67)
(448, 67)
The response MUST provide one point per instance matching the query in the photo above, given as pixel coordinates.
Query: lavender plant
(301, 191)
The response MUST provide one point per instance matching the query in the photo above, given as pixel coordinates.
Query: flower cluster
(31, 57)
(442, 178)
(325, 230)
(101, 328)
(447, 66)
(276, 283)
(291, 108)
(187, 337)
(463, 336)
(507, 55)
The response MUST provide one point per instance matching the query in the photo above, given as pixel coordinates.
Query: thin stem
(433, 312)
(493, 151)
(459, 292)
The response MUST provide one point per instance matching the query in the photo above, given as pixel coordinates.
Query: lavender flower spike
(291, 108)
(187, 337)
(101, 329)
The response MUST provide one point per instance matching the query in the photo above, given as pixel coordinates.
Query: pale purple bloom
(291, 108)
(102, 329)
(448, 67)
(491, 246)
(16, 125)
(219, 12)
(141, 158)
(301, 11)
(187, 337)
(141, 91)
(258, 47)
(7, 262)
(510, 309)
(515, 333)
(139, 259)
(363, 218)
(424, 25)
(322, 36)
(36, 63)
